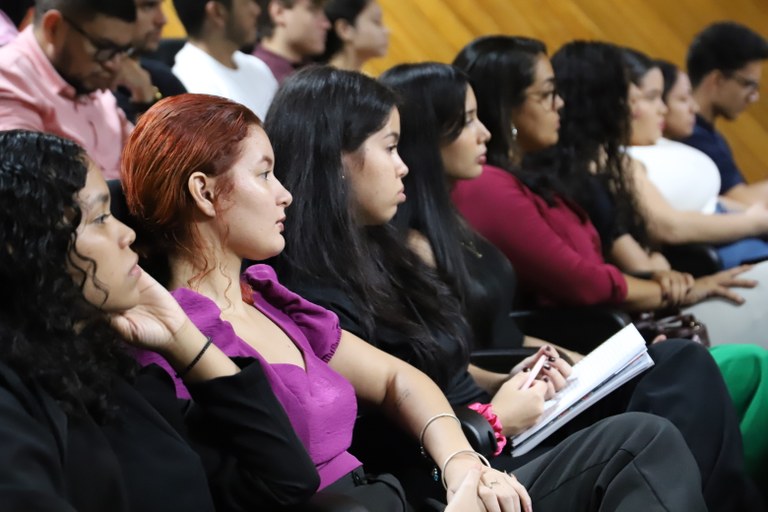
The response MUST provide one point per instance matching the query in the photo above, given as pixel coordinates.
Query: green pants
(745, 371)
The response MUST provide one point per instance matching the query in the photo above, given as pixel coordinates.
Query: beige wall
(437, 29)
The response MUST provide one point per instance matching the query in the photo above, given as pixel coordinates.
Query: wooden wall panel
(438, 29)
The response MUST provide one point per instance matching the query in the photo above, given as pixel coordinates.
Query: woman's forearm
(668, 225)
(642, 295)
(489, 381)
(680, 227)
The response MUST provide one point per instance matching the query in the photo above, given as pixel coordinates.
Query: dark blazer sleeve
(31, 465)
(252, 456)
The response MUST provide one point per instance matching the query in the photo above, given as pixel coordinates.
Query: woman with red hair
(212, 202)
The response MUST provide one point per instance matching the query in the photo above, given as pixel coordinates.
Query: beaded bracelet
(197, 358)
(456, 453)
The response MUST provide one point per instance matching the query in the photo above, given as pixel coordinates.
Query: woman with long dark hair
(580, 170)
(443, 143)
(81, 427)
(527, 209)
(212, 203)
(667, 222)
(368, 275)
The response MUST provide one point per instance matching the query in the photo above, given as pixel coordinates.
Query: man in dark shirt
(143, 81)
(725, 65)
(291, 32)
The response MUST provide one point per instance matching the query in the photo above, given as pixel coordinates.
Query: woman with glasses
(531, 211)
(675, 212)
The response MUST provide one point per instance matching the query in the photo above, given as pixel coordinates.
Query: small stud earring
(514, 132)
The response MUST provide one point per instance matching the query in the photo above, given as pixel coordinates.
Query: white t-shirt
(687, 178)
(251, 84)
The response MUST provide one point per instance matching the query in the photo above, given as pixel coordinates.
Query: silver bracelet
(456, 453)
(429, 422)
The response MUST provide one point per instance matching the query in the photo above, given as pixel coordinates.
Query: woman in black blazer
(81, 428)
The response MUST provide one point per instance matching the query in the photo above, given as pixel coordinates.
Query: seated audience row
(553, 243)
(73, 366)
(411, 277)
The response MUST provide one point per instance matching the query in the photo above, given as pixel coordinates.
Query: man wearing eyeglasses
(55, 75)
(725, 65)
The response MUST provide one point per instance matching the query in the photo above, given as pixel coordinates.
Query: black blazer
(245, 457)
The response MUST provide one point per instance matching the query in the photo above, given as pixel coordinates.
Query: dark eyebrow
(394, 135)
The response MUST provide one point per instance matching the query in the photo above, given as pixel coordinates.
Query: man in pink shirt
(8, 29)
(55, 75)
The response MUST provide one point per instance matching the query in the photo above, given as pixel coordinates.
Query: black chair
(697, 259)
(580, 329)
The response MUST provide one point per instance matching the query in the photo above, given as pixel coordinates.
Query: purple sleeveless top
(319, 402)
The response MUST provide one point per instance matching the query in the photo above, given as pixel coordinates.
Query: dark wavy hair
(726, 46)
(347, 10)
(593, 80)
(51, 336)
(318, 115)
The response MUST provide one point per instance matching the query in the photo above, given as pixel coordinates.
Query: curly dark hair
(593, 80)
(49, 334)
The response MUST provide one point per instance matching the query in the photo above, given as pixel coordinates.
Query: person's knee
(637, 430)
(683, 354)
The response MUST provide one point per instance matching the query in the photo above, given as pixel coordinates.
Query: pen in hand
(534, 372)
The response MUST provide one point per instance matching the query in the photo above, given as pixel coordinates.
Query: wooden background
(438, 29)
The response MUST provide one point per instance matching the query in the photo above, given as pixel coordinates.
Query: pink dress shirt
(8, 30)
(33, 96)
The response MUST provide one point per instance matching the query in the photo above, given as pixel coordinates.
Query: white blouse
(687, 178)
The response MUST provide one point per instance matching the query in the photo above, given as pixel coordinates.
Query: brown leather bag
(681, 325)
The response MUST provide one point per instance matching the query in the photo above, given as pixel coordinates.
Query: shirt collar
(704, 123)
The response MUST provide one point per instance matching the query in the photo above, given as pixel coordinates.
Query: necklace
(470, 246)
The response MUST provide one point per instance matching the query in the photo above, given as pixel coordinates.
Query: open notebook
(620, 358)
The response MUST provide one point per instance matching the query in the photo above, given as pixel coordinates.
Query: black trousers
(630, 462)
(686, 387)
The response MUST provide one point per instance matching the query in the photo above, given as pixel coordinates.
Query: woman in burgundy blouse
(525, 203)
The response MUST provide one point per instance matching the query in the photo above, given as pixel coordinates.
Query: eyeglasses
(747, 83)
(105, 50)
(548, 98)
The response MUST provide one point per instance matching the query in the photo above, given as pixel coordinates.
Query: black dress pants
(631, 462)
(685, 386)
